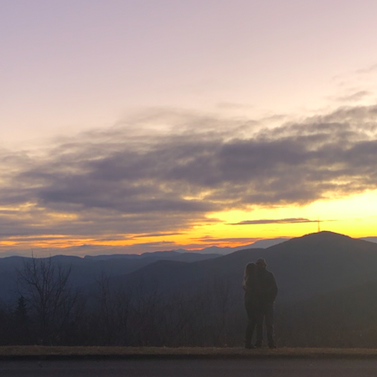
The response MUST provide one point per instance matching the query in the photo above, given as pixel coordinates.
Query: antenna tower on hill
(319, 226)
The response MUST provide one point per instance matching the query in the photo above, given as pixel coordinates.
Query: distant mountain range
(262, 244)
(87, 270)
(311, 264)
(369, 239)
(304, 266)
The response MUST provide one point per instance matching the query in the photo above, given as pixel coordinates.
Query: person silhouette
(251, 301)
(267, 292)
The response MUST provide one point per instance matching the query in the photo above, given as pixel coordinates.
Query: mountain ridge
(303, 266)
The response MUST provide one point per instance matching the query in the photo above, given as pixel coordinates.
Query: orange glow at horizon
(354, 216)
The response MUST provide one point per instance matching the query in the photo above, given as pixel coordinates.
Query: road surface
(193, 368)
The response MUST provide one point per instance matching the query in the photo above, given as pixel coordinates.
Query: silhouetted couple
(260, 293)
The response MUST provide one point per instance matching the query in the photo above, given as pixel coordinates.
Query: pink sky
(74, 65)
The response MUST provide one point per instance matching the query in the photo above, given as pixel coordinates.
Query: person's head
(261, 264)
(250, 269)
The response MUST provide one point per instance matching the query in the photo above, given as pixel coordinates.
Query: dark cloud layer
(129, 180)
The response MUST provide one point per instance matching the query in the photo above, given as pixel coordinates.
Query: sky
(140, 125)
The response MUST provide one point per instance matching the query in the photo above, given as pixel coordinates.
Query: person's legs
(250, 325)
(269, 314)
(259, 320)
(249, 333)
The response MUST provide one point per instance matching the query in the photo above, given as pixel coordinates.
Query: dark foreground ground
(192, 368)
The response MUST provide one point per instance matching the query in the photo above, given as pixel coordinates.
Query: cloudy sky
(141, 125)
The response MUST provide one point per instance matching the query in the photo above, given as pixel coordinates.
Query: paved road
(192, 368)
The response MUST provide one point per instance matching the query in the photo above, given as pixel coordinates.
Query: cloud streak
(214, 240)
(133, 179)
(275, 221)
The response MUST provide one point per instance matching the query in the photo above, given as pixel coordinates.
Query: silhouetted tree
(21, 323)
(46, 289)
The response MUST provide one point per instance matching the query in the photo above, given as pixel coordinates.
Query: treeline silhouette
(48, 311)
